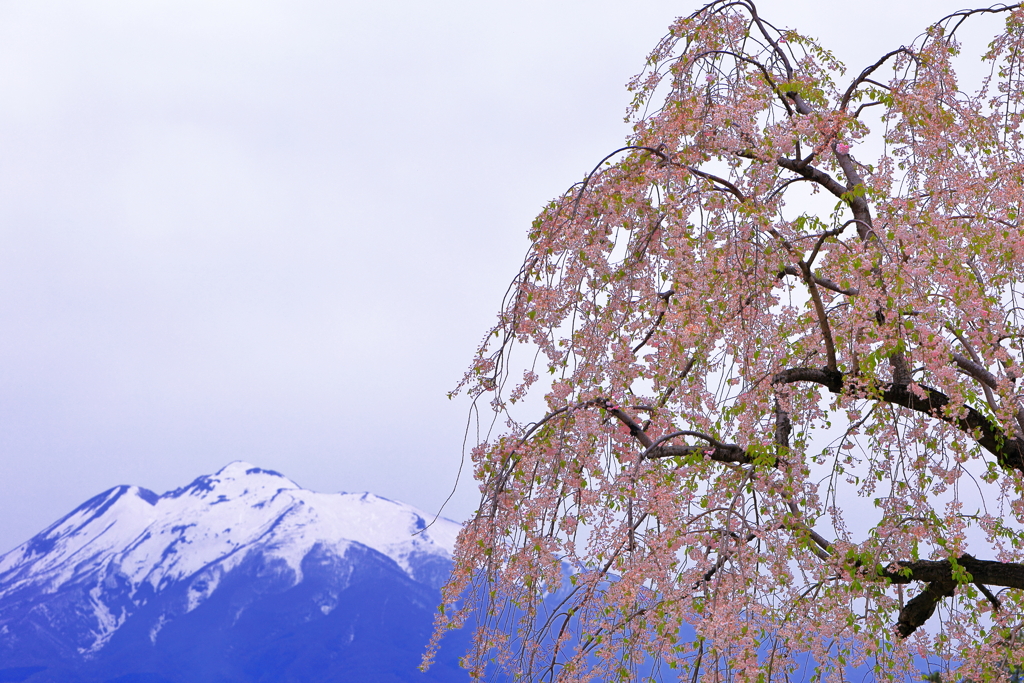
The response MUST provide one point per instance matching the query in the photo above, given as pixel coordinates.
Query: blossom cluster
(779, 338)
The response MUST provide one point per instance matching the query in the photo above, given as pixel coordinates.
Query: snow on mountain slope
(144, 542)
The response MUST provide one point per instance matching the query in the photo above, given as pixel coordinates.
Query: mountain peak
(130, 573)
(201, 532)
(239, 468)
(235, 479)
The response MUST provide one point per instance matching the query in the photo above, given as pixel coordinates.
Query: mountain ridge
(131, 577)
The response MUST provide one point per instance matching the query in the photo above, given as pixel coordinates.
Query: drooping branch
(939, 575)
(964, 14)
(867, 72)
(767, 77)
(569, 478)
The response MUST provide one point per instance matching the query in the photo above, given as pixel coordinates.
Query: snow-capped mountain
(213, 580)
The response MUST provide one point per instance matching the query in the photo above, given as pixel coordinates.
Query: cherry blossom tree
(779, 340)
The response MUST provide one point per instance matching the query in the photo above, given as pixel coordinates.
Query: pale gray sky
(276, 230)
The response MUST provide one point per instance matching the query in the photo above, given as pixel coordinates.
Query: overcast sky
(275, 231)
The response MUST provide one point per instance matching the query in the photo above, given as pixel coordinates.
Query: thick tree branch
(729, 453)
(819, 310)
(822, 281)
(805, 170)
(798, 100)
(635, 430)
(942, 584)
(938, 574)
(975, 370)
(988, 572)
(973, 367)
(1009, 451)
(724, 185)
(922, 606)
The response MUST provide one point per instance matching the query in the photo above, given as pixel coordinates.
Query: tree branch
(635, 430)
(822, 282)
(729, 453)
(975, 370)
(964, 14)
(1009, 452)
(819, 310)
(664, 296)
(811, 173)
(762, 69)
(938, 574)
(726, 186)
(942, 584)
(867, 72)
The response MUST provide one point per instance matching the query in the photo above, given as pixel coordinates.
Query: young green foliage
(788, 425)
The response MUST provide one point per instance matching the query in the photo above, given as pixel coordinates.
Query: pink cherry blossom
(793, 427)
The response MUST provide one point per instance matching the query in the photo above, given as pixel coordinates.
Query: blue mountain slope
(242, 577)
